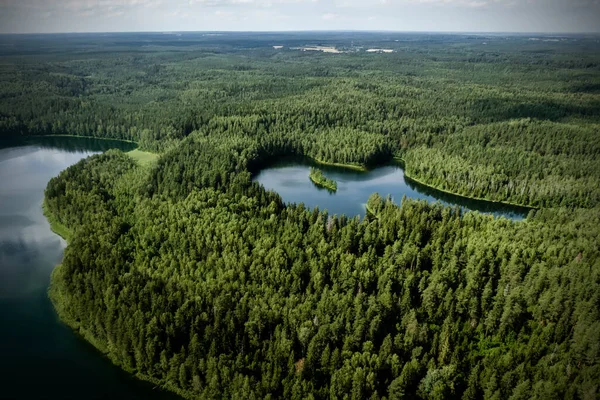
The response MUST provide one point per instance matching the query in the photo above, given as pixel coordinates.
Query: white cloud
(252, 3)
(360, 4)
(79, 5)
(424, 15)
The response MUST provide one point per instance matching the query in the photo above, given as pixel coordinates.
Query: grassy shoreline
(506, 203)
(55, 225)
(420, 182)
(83, 137)
(356, 167)
(143, 158)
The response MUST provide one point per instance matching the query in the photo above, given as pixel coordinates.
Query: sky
(53, 16)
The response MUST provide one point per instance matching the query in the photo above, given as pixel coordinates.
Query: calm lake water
(290, 179)
(40, 357)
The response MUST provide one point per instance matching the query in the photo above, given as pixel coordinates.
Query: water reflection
(289, 178)
(66, 144)
(41, 357)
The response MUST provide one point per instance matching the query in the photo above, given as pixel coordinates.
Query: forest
(512, 120)
(188, 274)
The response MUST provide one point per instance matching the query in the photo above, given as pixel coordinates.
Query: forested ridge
(220, 290)
(501, 118)
(190, 275)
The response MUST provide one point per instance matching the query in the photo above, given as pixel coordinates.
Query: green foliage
(219, 290)
(319, 179)
(539, 163)
(143, 158)
(190, 275)
(56, 227)
(513, 120)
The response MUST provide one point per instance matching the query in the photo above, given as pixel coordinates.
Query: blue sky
(26, 16)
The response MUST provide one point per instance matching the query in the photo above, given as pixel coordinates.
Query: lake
(289, 178)
(41, 357)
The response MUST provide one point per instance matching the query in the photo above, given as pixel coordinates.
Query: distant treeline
(191, 275)
(512, 120)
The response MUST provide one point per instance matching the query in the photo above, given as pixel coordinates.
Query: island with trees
(318, 178)
(187, 273)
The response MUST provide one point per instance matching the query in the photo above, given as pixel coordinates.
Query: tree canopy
(190, 275)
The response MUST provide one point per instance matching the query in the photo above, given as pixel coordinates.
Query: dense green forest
(187, 273)
(496, 117)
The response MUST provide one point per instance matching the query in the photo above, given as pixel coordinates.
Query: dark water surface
(289, 178)
(40, 358)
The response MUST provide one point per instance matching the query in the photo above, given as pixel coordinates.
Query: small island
(319, 179)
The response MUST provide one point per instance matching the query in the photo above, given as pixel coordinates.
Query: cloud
(249, 3)
(424, 15)
(391, 4)
(80, 5)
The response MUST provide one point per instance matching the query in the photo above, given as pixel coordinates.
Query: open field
(144, 158)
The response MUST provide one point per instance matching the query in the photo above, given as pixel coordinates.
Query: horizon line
(456, 32)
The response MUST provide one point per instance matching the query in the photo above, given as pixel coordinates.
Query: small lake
(41, 358)
(289, 178)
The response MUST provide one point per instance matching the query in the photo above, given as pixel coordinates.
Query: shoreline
(324, 183)
(355, 167)
(82, 137)
(55, 298)
(397, 161)
(61, 306)
(505, 203)
(142, 157)
(55, 226)
(54, 294)
(416, 180)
